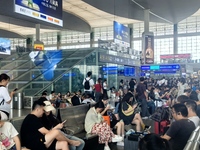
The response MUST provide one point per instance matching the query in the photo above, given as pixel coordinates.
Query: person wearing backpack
(88, 83)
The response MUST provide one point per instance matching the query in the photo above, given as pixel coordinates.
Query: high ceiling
(82, 15)
(93, 16)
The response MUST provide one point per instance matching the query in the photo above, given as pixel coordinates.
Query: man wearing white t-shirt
(88, 89)
(192, 107)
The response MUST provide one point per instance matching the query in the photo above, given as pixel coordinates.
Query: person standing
(105, 88)
(5, 97)
(98, 90)
(132, 84)
(142, 97)
(88, 83)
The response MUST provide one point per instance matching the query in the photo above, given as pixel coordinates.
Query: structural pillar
(131, 35)
(175, 38)
(91, 38)
(58, 40)
(37, 26)
(146, 20)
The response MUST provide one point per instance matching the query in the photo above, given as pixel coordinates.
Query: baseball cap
(48, 106)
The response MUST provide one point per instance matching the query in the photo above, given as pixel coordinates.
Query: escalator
(32, 79)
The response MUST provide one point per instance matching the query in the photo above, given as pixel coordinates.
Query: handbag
(160, 114)
(130, 108)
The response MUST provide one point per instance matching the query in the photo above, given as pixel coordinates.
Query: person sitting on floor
(95, 124)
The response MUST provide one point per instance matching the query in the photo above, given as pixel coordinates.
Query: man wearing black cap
(142, 97)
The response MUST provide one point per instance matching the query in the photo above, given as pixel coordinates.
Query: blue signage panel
(161, 67)
(47, 61)
(45, 10)
(129, 71)
(121, 34)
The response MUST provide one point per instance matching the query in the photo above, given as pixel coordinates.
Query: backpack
(87, 84)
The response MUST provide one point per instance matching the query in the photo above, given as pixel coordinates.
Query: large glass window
(189, 44)
(162, 47)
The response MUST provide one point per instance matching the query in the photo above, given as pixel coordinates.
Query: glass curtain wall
(188, 37)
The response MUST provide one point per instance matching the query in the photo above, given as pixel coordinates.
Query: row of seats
(75, 119)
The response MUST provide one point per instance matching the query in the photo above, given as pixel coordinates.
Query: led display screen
(5, 46)
(46, 10)
(121, 34)
(47, 61)
(161, 67)
(129, 71)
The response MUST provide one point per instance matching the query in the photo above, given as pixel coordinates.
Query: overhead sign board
(121, 34)
(46, 10)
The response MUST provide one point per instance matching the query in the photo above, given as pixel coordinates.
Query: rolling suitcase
(131, 142)
(161, 127)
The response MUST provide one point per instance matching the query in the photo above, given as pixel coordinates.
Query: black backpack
(87, 84)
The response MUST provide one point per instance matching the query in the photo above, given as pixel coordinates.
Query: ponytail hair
(4, 76)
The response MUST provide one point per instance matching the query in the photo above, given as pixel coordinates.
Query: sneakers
(117, 138)
(147, 128)
(130, 132)
(120, 143)
(145, 117)
(106, 148)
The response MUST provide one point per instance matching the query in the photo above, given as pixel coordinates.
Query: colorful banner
(173, 56)
(46, 10)
(149, 49)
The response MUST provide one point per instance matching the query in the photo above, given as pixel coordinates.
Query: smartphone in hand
(15, 89)
(64, 121)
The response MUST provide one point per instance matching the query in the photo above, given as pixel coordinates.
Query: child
(9, 136)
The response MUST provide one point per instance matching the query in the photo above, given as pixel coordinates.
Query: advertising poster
(45, 10)
(5, 46)
(149, 49)
(47, 61)
(121, 34)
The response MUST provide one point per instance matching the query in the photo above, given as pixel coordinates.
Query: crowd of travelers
(134, 102)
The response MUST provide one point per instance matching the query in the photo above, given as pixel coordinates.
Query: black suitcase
(131, 142)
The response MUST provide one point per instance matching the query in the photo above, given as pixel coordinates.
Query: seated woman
(9, 136)
(95, 124)
(127, 114)
(114, 123)
(153, 142)
(50, 122)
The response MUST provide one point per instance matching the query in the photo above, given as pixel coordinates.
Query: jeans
(151, 106)
(144, 108)
(71, 147)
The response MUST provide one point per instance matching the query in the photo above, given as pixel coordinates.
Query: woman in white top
(182, 85)
(5, 97)
(105, 87)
